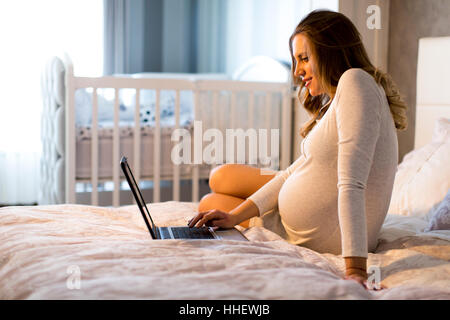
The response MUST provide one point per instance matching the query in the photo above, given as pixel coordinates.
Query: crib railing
(74, 83)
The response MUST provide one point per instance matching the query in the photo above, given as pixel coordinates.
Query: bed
(88, 123)
(88, 252)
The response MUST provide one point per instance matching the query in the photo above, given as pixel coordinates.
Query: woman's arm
(245, 211)
(358, 113)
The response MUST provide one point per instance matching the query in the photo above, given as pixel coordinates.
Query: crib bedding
(45, 251)
(126, 145)
(147, 108)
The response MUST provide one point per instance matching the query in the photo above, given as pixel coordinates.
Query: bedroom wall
(410, 20)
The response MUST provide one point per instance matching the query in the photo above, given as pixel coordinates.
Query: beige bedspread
(85, 252)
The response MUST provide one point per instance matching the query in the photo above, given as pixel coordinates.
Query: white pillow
(83, 108)
(423, 177)
(439, 219)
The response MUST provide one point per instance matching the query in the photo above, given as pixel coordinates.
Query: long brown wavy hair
(336, 45)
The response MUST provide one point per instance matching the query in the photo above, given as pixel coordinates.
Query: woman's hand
(362, 280)
(355, 269)
(214, 218)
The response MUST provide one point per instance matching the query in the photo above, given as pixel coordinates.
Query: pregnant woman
(335, 196)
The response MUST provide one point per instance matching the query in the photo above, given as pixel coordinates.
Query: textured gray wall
(409, 21)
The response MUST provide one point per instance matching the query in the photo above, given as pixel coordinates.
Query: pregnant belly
(309, 201)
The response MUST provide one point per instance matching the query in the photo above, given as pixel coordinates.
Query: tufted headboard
(52, 133)
(433, 86)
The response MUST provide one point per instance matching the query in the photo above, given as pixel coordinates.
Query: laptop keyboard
(191, 233)
(165, 234)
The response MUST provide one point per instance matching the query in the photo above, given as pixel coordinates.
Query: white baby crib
(82, 148)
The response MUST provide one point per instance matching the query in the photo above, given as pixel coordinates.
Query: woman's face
(305, 64)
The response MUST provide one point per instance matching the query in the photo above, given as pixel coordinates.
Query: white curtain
(19, 172)
(31, 32)
(125, 31)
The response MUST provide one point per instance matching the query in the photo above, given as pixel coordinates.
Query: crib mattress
(147, 134)
(126, 146)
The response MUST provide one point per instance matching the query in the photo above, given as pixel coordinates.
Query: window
(32, 32)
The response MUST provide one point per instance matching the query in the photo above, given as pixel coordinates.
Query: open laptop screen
(138, 196)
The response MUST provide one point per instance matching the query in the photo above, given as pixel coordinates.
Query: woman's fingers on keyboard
(208, 218)
(195, 219)
(203, 219)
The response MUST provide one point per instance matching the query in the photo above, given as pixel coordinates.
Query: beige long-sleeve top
(335, 196)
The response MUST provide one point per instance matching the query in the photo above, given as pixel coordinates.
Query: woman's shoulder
(357, 79)
(356, 75)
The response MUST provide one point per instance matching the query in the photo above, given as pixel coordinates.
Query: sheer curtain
(199, 35)
(32, 32)
(160, 36)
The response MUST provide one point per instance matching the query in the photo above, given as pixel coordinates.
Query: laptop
(175, 232)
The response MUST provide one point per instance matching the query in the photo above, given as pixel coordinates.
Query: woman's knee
(206, 202)
(221, 178)
(238, 180)
(219, 201)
